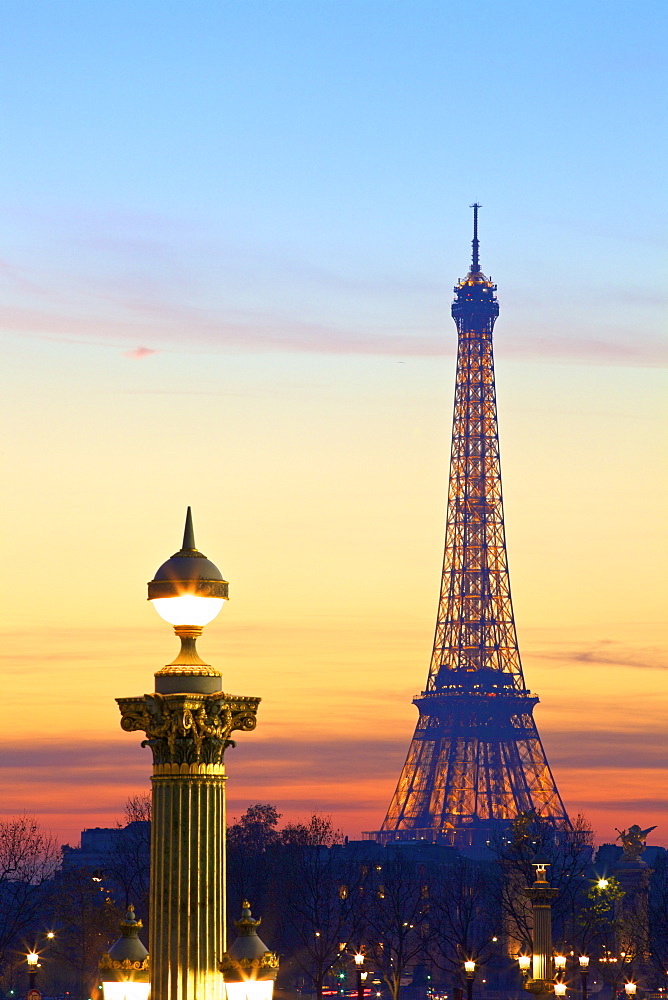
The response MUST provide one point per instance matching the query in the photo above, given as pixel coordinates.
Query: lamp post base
(539, 986)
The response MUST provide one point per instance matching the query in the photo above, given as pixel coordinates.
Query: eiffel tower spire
(476, 760)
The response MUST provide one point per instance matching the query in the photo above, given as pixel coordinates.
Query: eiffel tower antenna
(475, 264)
(476, 761)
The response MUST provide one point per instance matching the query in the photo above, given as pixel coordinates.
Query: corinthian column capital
(188, 728)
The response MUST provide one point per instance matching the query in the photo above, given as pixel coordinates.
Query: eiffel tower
(476, 761)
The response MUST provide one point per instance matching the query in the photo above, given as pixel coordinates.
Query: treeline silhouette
(417, 911)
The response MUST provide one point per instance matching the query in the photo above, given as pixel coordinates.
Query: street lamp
(361, 974)
(584, 968)
(188, 591)
(249, 968)
(524, 962)
(560, 962)
(125, 967)
(469, 972)
(188, 721)
(630, 989)
(32, 958)
(560, 989)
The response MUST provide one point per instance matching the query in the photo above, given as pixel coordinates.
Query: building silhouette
(476, 761)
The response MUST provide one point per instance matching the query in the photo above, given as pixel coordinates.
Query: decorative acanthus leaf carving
(188, 728)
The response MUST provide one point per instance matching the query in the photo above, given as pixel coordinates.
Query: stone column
(188, 734)
(541, 895)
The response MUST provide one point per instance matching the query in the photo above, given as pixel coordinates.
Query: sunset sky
(230, 232)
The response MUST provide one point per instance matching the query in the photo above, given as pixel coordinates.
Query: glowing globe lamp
(249, 968)
(560, 989)
(124, 969)
(630, 989)
(469, 967)
(584, 961)
(560, 962)
(188, 591)
(524, 963)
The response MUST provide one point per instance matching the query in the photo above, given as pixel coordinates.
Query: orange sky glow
(321, 497)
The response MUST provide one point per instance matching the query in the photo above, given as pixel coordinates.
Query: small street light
(560, 989)
(524, 962)
(469, 972)
(630, 989)
(32, 958)
(361, 974)
(584, 969)
(560, 962)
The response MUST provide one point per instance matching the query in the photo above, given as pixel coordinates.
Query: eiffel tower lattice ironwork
(476, 761)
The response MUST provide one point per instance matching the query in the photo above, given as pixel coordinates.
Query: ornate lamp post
(249, 968)
(361, 974)
(32, 958)
(125, 967)
(469, 972)
(584, 969)
(559, 967)
(188, 722)
(541, 895)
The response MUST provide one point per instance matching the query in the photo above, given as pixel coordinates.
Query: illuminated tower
(476, 760)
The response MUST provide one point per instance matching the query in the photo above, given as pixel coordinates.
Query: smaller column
(541, 895)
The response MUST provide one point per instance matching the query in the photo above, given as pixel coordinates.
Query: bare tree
(322, 912)
(318, 832)
(569, 850)
(249, 874)
(398, 927)
(29, 858)
(464, 915)
(87, 922)
(127, 865)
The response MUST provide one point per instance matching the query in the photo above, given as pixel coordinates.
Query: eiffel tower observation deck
(476, 761)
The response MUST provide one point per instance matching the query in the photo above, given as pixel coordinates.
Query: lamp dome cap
(188, 571)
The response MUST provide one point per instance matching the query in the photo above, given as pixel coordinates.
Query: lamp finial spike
(189, 534)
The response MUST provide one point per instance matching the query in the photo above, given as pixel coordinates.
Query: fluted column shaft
(541, 895)
(187, 932)
(188, 735)
(542, 941)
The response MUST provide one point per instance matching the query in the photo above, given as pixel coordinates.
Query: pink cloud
(139, 352)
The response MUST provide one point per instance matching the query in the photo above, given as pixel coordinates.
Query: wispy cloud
(130, 288)
(606, 653)
(596, 748)
(139, 352)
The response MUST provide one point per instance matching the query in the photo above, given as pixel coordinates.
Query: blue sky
(301, 172)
